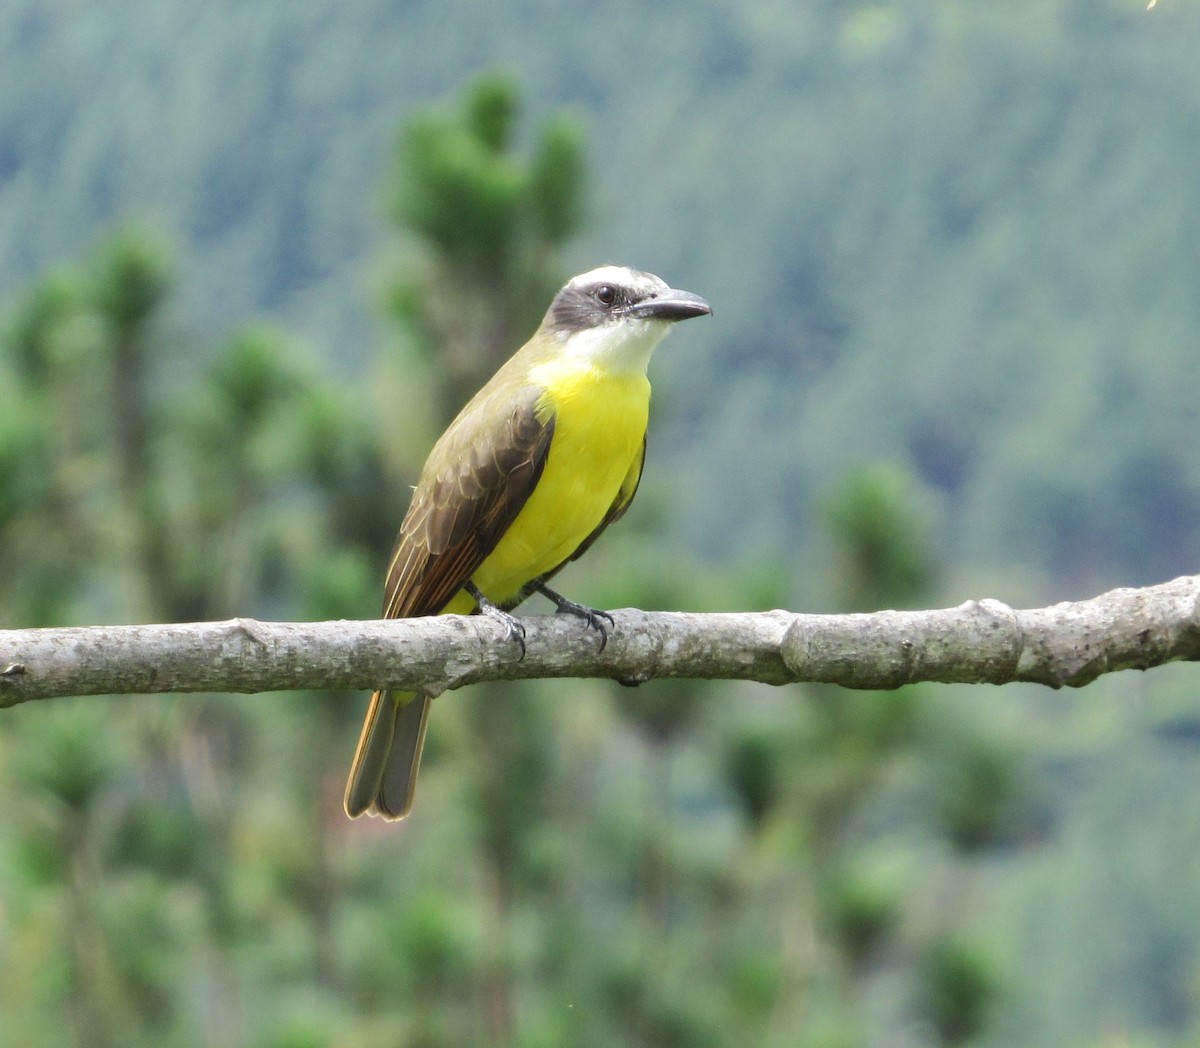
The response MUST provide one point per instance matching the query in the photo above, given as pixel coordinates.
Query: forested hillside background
(952, 252)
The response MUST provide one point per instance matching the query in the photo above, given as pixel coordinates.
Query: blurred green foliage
(951, 250)
(486, 226)
(181, 845)
(959, 987)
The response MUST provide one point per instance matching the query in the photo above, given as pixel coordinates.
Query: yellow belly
(599, 428)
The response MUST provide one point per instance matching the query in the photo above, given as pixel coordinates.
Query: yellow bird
(541, 460)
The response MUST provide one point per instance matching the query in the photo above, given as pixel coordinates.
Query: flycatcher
(533, 469)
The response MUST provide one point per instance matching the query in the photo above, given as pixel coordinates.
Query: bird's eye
(606, 294)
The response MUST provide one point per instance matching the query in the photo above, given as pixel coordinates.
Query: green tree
(487, 225)
(141, 486)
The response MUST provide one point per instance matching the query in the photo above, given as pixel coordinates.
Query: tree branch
(978, 642)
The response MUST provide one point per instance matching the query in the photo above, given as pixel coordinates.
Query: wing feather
(478, 477)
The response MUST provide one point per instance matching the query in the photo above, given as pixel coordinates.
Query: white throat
(622, 346)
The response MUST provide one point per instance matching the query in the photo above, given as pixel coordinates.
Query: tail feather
(383, 775)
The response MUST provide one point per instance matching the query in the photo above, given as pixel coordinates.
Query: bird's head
(615, 315)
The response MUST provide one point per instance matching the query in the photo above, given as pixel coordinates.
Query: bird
(539, 462)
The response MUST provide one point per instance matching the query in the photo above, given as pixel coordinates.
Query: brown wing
(478, 477)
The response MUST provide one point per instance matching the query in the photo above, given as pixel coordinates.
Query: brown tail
(383, 774)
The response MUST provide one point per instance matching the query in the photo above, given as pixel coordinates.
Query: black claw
(594, 617)
(595, 620)
(516, 631)
(514, 628)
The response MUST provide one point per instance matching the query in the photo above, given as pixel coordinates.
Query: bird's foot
(513, 625)
(595, 618)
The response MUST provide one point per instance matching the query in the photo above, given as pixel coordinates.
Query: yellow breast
(599, 426)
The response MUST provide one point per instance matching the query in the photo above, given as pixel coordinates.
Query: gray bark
(981, 642)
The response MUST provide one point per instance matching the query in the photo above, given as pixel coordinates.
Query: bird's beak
(669, 305)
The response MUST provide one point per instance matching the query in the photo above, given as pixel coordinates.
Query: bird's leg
(516, 631)
(592, 616)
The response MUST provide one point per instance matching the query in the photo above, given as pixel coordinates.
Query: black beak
(669, 305)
